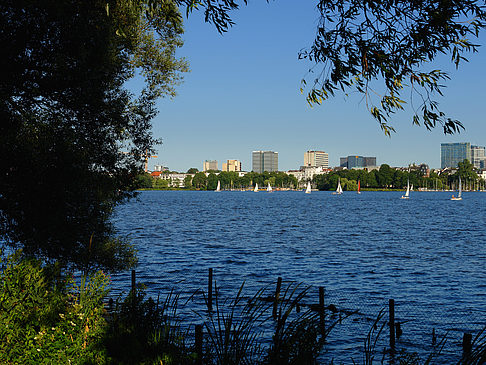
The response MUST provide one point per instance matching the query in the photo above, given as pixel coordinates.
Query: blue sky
(242, 94)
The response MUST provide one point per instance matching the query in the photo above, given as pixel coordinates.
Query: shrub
(45, 318)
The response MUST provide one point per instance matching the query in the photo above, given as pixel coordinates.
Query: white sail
(459, 196)
(256, 188)
(269, 188)
(218, 188)
(407, 193)
(339, 189)
(308, 189)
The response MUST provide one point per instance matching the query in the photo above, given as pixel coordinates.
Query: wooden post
(277, 297)
(391, 311)
(210, 289)
(133, 296)
(198, 344)
(466, 345)
(322, 313)
(133, 282)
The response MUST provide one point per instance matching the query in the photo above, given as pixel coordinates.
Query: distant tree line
(231, 180)
(387, 177)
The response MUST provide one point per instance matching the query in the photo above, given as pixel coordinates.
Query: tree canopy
(67, 117)
(382, 49)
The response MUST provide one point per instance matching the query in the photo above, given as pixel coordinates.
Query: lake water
(428, 253)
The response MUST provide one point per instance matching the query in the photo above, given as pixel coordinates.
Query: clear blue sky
(242, 94)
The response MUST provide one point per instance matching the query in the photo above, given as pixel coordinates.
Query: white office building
(316, 159)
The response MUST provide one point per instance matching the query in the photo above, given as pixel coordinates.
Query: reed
(234, 329)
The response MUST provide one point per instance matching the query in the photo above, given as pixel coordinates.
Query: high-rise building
(369, 161)
(316, 159)
(478, 157)
(210, 165)
(231, 165)
(453, 153)
(357, 162)
(264, 161)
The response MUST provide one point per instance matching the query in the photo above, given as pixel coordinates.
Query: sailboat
(308, 189)
(218, 188)
(407, 193)
(269, 188)
(359, 186)
(459, 196)
(256, 187)
(339, 189)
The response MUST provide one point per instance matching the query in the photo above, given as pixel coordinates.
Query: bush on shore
(45, 318)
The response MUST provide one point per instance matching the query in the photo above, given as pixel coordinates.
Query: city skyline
(243, 94)
(214, 164)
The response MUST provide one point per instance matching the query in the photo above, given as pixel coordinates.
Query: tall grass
(234, 330)
(144, 331)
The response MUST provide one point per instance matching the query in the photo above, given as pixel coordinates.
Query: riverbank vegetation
(390, 178)
(46, 317)
(228, 181)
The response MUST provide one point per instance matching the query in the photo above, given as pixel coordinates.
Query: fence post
(322, 313)
(198, 343)
(210, 289)
(466, 345)
(133, 297)
(133, 282)
(391, 311)
(277, 297)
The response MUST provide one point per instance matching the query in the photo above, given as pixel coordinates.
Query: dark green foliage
(66, 118)
(465, 170)
(145, 181)
(230, 180)
(46, 319)
(188, 182)
(142, 331)
(212, 181)
(391, 178)
(200, 181)
(160, 183)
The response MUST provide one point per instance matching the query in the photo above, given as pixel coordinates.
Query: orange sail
(359, 186)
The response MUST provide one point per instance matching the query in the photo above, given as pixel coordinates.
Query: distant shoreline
(300, 190)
